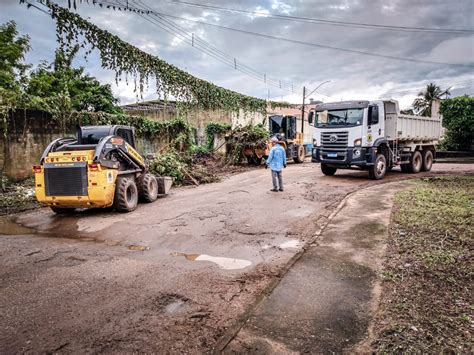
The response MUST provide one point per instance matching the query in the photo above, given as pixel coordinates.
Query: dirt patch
(426, 304)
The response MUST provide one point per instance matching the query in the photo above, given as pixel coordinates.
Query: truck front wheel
(126, 194)
(378, 170)
(427, 160)
(416, 162)
(328, 170)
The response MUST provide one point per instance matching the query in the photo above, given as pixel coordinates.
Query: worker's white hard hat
(274, 139)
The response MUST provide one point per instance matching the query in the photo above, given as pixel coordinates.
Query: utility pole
(304, 98)
(302, 110)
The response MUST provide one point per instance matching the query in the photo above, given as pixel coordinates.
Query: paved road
(325, 302)
(175, 275)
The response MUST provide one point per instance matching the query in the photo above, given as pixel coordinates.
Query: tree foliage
(50, 83)
(458, 119)
(127, 60)
(422, 104)
(12, 52)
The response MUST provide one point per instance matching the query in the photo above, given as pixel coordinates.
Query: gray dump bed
(409, 127)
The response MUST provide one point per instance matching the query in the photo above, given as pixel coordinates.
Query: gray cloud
(352, 75)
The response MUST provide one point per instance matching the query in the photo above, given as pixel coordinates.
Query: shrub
(458, 119)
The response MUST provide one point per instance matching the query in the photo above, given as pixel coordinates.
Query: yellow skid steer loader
(99, 168)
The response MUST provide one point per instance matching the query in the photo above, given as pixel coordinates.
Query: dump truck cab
(373, 136)
(99, 168)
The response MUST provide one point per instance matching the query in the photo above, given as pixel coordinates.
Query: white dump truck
(374, 136)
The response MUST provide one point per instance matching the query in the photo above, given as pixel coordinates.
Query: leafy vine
(213, 128)
(125, 59)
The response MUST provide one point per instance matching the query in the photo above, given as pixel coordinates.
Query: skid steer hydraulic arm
(110, 144)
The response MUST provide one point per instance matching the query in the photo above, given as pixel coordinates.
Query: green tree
(13, 76)
(422, 104)
(55, 81)
(458, 119)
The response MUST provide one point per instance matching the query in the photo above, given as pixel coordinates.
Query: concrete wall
(197, 119)
(29, 133)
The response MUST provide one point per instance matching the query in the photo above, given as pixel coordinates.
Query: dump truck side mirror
(310, 117)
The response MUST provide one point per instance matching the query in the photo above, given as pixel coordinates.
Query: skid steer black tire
(148, 188)
(62, 210)
(126, 194)
(300, 154)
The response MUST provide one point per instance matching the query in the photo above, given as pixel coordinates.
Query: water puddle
(223, 263)
(8, 227)
(292, 243)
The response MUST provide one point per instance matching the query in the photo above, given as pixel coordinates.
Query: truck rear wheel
(378, 170)
(416, 162)
(328, 170)
(148, 188)
(126, 194)
(427, 156)
(300, 153)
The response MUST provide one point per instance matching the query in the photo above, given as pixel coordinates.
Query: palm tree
(422, 103)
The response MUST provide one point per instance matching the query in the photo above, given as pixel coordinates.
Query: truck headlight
(357, 153)
(358, 142)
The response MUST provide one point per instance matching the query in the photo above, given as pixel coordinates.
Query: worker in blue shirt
(276, 161)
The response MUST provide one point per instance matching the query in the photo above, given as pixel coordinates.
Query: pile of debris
(245, 138)
(17, 197)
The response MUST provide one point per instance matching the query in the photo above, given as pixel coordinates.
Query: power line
(193, 40)
(324, 21)
(463, 84)
(413, 60)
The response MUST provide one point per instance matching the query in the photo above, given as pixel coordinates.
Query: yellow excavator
(99, 168)
(284, 128)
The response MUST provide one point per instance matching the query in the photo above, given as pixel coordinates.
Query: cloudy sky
(351, 75)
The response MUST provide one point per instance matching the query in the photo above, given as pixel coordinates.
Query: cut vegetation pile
(241, 138)
(196, 165)
(17, 197)
(426, 304)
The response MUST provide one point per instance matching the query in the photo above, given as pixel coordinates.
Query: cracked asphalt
(177, 275)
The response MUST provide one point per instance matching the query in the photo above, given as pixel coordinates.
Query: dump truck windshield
(347, 117)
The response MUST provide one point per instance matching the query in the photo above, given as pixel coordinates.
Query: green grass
(426, 304)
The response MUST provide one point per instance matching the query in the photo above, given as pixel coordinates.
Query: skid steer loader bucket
(164, 184)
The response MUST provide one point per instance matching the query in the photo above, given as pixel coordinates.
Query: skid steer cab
(99, 168)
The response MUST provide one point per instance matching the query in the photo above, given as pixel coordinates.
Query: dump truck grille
(334, 139)
(66, 179)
